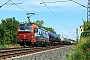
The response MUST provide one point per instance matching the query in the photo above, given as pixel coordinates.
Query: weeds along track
(13, 52)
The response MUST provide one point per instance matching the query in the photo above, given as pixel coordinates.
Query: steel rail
(23, 51)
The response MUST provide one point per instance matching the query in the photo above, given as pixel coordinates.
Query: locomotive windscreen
(22, 26)
(25, 27)
(28, 27)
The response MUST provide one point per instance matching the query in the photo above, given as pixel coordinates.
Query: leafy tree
(2, 31)
(9, 32)
(39, 23)
(49, 29)
(71, 40)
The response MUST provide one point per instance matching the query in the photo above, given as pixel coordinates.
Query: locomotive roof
(25, 24)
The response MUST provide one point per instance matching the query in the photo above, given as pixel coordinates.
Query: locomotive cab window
(28, 28)
(35, 30)
(22, 27)
(25, 27)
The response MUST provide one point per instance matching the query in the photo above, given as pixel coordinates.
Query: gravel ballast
(52, 54)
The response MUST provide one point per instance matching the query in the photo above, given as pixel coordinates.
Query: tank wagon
(32, 35)
(65, 41)
(54, 38)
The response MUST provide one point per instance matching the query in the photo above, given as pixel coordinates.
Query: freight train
(32, 35)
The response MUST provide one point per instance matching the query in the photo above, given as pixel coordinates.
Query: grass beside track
(9, 46)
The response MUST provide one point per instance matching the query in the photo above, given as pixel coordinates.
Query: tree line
(8, 28)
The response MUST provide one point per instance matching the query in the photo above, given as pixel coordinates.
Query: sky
(63, 17)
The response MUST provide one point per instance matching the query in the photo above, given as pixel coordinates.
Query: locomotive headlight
(17, 36)
(32, 36)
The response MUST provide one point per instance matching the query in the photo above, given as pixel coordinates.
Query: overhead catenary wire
(5, 3)
(58, 11)
(34, 11)
(78, 3)
(29, 6)
(24, 9)
(60, 15)
(20, 7)
(57, 17)
(54, 15)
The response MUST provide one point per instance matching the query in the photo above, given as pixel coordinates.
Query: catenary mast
(88, 11)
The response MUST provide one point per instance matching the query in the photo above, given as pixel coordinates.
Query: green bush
(77, 55)
(68, 57)
(81, 50)
(85, 46)
(86, 55)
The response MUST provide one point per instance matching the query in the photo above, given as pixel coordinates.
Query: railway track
(13, 52)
